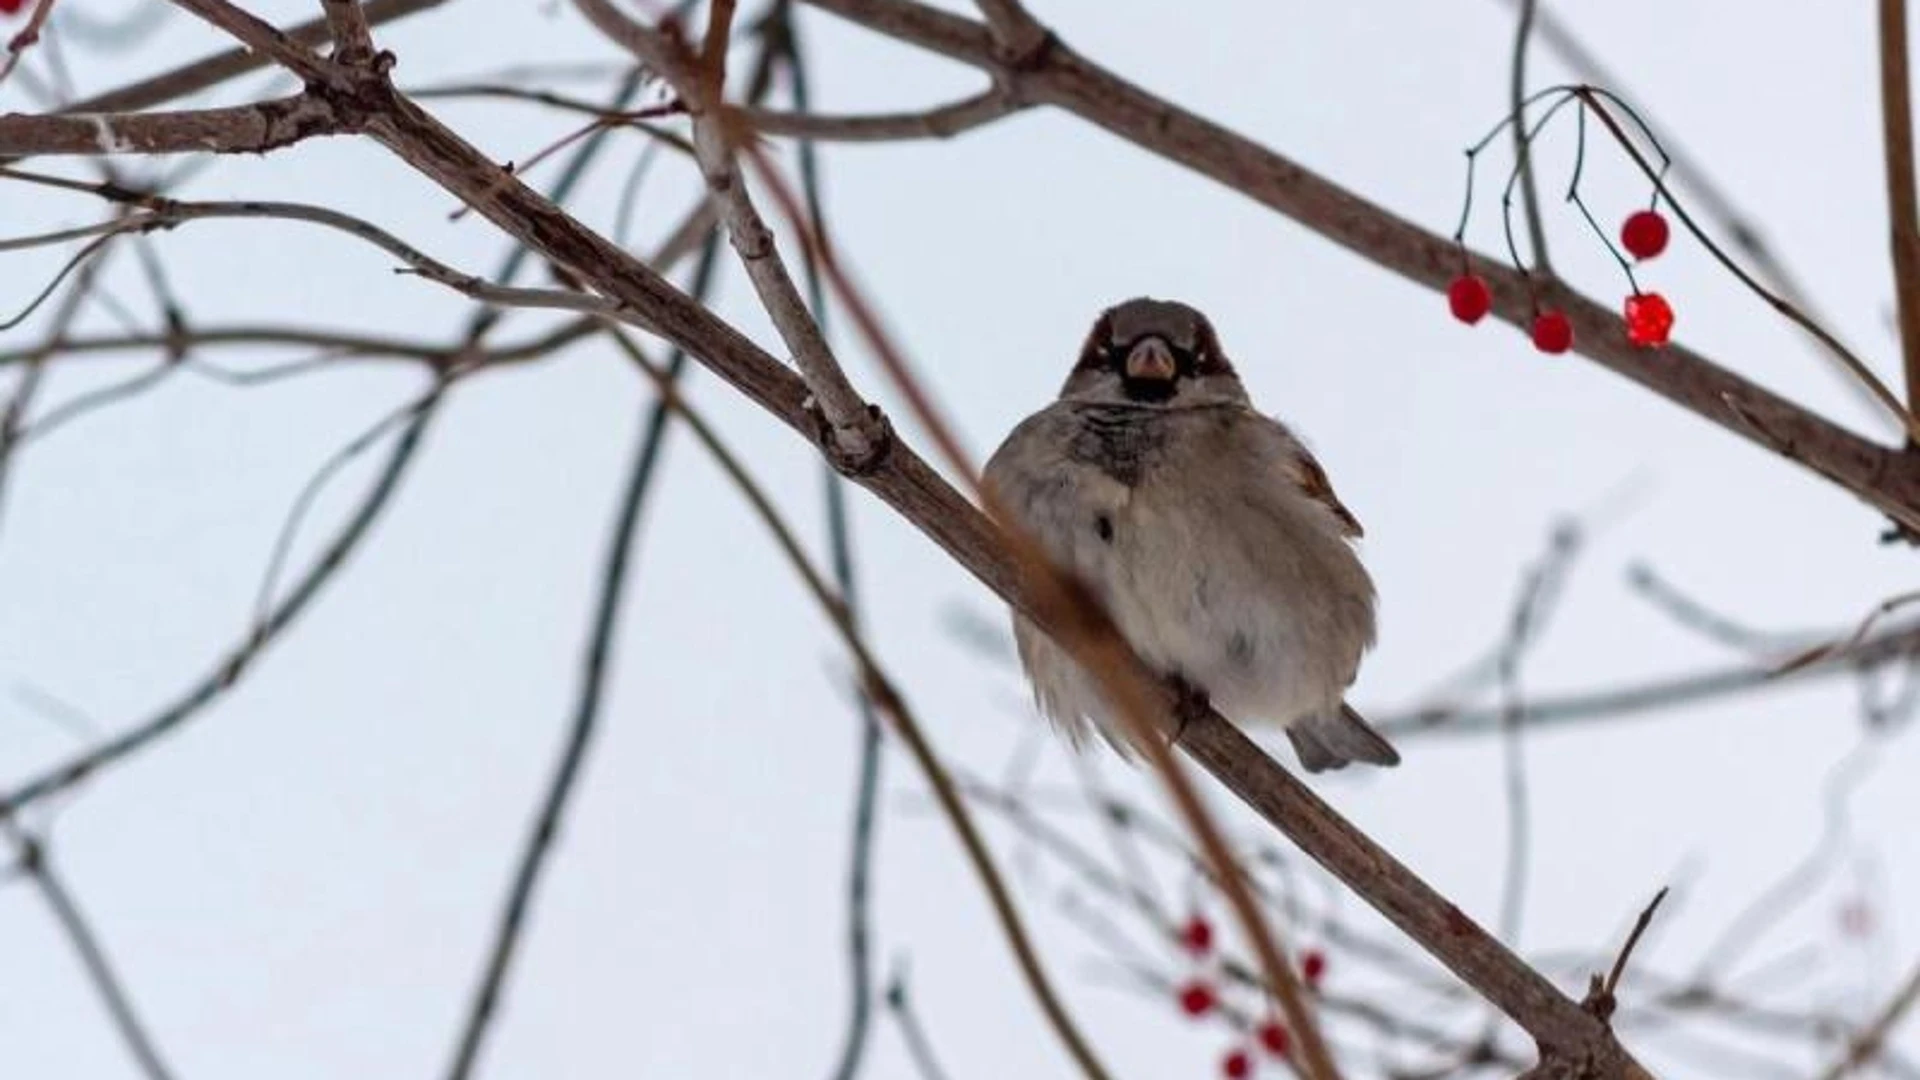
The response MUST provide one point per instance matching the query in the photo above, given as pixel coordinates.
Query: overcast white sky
(301, 885)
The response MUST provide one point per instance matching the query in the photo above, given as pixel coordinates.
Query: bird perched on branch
(1206, 529)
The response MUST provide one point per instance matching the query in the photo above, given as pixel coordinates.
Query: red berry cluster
(8, 7)
(1647, 315)
(1196, 995)
(1197, 998)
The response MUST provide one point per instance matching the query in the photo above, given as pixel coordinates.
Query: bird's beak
(1151, 358)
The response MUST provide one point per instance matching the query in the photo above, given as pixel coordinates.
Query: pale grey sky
(302, 884)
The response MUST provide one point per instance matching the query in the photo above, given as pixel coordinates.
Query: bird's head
(1156, 354)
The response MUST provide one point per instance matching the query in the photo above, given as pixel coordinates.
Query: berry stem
(1513, 178)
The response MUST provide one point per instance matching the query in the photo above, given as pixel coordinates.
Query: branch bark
(248, 129)
(853, 430)
(1896, 116)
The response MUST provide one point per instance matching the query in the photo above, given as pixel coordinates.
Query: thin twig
(781, 35)
(1624, 702)
(919, 1047)
(1865, 1046)
(1522, 144)
(579, 734)
(38, 864)
(602, 626)
(939, 122)
(1903, 205)
(229, 670)
(855, 432)
(1600, 994)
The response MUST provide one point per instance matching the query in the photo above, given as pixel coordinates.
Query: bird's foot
(1190, 703)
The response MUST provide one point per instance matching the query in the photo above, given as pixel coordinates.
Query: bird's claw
(1190, 703)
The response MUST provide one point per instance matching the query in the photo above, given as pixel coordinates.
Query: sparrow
(1204, 527)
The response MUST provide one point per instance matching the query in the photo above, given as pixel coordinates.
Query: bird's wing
(1313, 483)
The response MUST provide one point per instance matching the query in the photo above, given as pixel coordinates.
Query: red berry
(1644, 234)
(1313, 964)
(1552, 333)
(1236, 1065)
(1273, 1036)
(1649, 319)
(1469, 298)
(1196, 998)
(8, 7)
(1197, 935)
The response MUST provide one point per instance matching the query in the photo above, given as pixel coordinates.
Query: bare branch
(93, 957)
(1903, 204)
(218, 68)
(1622, 702)
(856, 432)
(229, 670)
(347, 24)
(248, 129)
(941, 122)
(1864, 1047)
(1600, 996)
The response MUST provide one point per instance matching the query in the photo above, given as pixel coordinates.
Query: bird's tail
(1336, 739)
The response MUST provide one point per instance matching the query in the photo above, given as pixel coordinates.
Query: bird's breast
(1120, 442)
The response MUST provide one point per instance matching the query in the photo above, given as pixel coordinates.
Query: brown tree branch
(347, 26)
(339, 344)
(940, 122)
(1903, 205)
(1058, 76)
(855, 432)
(249, 129)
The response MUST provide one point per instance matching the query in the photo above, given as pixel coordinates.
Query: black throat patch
(1151, 391)
(1117, 440)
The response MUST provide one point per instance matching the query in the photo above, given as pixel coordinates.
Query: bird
(1205, 528)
